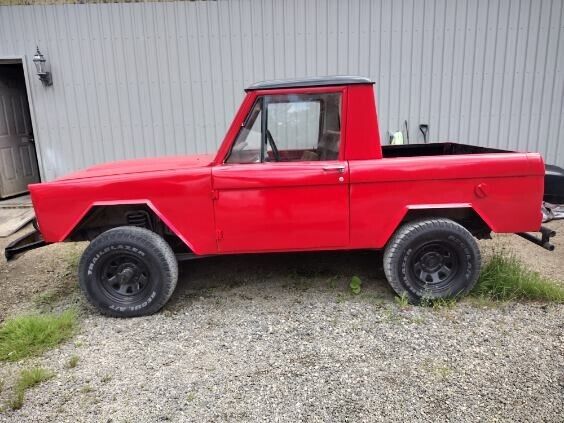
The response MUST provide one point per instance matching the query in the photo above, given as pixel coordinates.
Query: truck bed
(435, 149)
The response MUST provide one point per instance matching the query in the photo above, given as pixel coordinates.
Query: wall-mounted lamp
(44, 76)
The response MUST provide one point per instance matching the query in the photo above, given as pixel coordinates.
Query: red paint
(291, 204)
(362, 125)
(481, 190)
(280, 206)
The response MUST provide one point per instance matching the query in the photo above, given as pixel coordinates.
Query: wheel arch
(464, 214)
(102, 216)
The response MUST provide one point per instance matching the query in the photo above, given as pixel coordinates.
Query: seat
(309, 156)
(328, 148)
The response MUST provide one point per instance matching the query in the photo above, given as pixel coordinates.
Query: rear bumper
(543, 241)
(29, 241)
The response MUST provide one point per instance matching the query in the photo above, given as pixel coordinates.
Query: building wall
(145, 79)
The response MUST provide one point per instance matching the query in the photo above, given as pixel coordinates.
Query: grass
(332, 282)
(402, 300)
(505, 278)
(86, 389)
(25, 336)
(72, 260)
(46, 297)
(439, 303)
(27, 379)
(372, 298)
(355, 285)
(73, 361)
(46, 300)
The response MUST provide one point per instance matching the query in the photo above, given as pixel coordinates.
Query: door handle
(334, 168)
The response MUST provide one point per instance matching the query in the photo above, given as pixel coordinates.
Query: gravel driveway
(280, 338)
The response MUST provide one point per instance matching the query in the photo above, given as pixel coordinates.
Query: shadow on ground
(257, 275)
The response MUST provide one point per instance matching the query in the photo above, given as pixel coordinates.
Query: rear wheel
(128, 271)
(430, 259)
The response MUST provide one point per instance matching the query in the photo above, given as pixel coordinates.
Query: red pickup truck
(301, 168)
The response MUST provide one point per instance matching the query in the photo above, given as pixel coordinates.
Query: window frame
(263, 127)
(255, 95)
(258, 100)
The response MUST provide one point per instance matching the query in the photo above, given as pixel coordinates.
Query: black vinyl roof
(309, 82)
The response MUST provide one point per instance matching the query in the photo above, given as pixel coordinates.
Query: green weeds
(355, 285)
(27, 379)
(25, 336)
(505, 278)
(73, 362)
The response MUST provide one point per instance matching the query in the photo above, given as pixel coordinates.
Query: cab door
(284, 184)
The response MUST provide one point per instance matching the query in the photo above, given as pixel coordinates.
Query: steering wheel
(273, 145)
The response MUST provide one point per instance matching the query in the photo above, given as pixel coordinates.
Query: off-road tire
(432, 258)
(144, 265)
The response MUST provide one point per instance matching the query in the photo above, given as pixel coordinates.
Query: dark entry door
(18, 160)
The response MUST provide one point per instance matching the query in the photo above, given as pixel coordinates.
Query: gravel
(280, 338)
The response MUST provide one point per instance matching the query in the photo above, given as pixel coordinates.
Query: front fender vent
(139, 218)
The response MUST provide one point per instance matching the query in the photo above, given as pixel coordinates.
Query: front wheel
(430, 259)
(128, 271)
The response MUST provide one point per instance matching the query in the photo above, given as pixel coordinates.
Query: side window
(247, 145)
(294, 125)
(297, 127)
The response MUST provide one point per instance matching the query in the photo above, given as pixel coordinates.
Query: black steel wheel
(128, 271)
(124, 277)
(435, 258)
(434, 265)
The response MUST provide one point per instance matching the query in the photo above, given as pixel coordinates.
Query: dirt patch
(49, 270)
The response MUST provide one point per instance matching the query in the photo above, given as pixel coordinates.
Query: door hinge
(214, 194)
(219, 234)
